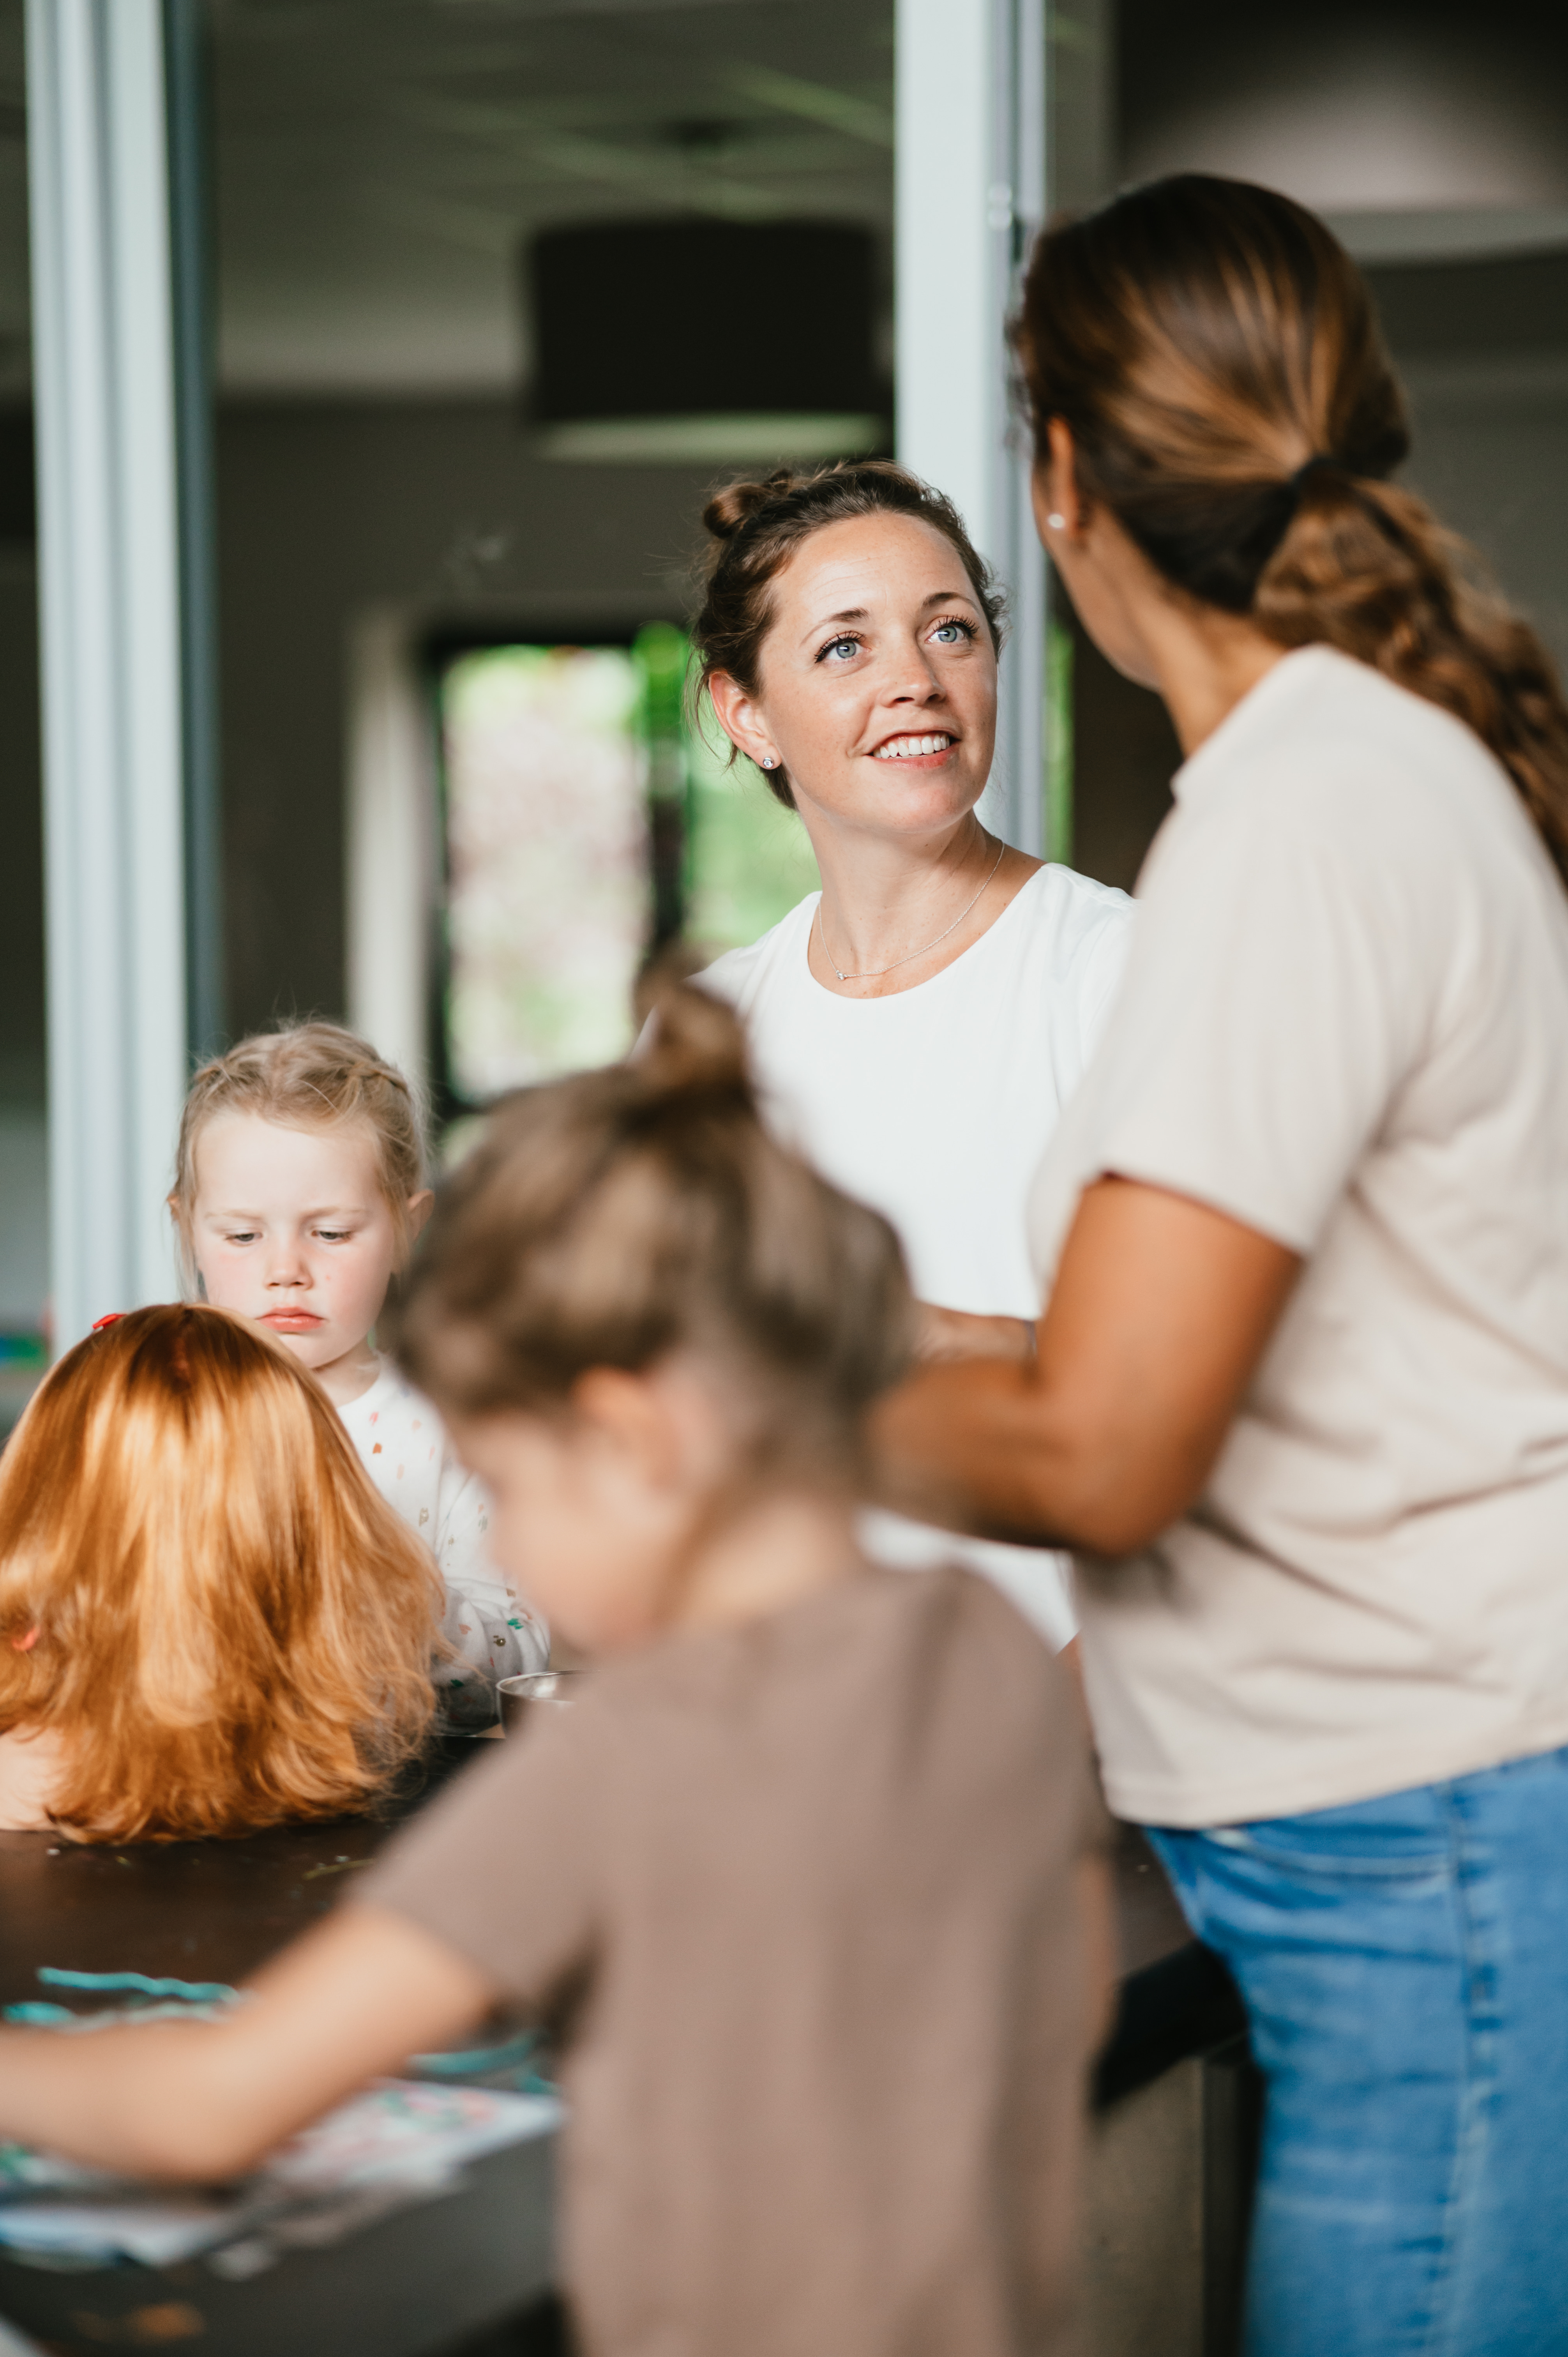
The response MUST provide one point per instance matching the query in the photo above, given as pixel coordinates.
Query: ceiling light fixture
(694, 341)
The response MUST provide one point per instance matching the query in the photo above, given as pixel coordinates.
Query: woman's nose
(916, 682)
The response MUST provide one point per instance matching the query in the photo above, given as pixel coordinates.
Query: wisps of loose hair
(1215, 353)
(620, 1216)
(304, 1076)
(202, 1598)
(754, 529)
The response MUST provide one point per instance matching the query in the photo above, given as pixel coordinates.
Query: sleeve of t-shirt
(1104, 962)
(504, 1866)
(1276, 995)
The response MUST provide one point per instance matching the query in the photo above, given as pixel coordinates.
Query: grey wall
(1483, 347)
(328, 507)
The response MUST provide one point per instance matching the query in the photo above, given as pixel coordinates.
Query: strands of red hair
(232, 1629)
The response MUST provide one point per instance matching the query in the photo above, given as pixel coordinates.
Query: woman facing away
(1300, 1396)
(208, 1619)
(917, 1026)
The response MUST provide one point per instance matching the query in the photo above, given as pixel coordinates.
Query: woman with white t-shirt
(917, 1025)
(1301, 1396)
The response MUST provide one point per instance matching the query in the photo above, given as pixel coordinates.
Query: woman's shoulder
(1331, 746)
(1072, 917)
(741, 974)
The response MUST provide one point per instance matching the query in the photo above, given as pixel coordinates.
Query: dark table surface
(425, 2279)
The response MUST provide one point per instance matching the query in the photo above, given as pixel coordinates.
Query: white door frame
(109, 570)
(970, 195)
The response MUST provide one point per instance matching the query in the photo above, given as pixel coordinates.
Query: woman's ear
(1061, 510)
(420, 1206)
(740, 717)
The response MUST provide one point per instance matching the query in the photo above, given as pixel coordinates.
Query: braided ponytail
(1215, 353)
(1368, 568)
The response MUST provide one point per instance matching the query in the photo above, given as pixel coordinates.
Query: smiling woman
(917, 1026)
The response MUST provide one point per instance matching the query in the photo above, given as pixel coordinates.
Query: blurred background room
(469, 302)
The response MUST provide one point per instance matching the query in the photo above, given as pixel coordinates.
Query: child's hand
(204, 2101)
(955, 1334)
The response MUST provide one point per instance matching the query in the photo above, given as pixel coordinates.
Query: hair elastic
(1316, 464)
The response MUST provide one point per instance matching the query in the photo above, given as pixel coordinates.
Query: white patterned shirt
(402, 1443)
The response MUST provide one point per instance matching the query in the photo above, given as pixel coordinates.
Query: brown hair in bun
(754, 530)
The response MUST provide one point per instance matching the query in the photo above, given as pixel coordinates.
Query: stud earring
(770, 761)
(1057, 522)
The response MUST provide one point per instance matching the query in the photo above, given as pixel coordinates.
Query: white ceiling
(378, 163)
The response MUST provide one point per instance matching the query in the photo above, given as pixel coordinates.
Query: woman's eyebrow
(847, 614)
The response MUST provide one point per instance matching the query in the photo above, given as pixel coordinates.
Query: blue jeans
(1404, 1964)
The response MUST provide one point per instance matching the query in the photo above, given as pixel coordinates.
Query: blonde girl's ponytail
(1216, 355)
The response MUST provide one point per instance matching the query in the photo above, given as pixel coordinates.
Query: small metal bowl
(536, 1690)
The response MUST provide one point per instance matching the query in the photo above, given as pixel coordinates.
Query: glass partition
(386, 174)
(24, 1133)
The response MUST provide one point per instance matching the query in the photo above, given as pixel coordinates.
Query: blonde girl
(209, 1620)
(299, 1189)
(802, 1884)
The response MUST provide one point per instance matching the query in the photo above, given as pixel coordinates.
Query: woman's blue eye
(951, 634)
(834, 645)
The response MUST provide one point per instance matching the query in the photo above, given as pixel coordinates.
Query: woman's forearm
(965, 1443)
(1161, 1312)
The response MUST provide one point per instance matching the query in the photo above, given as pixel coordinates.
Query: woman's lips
(292, 1321)
(922, 749)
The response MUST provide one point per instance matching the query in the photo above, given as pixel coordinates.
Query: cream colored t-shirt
(1345, 1023)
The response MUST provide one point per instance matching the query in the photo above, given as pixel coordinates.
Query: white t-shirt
(402, 1443)
(1345, 1023)
(935, 1106)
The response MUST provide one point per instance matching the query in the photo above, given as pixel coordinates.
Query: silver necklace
(872, 972)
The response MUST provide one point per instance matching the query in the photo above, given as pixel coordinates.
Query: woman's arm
(206, 2100)
(1161, 1310)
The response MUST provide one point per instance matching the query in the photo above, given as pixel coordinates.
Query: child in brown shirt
(804, 1885)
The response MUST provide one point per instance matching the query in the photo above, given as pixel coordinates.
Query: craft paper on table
(400, 2141)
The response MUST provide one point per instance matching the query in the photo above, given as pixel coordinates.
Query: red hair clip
(108, 1318)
